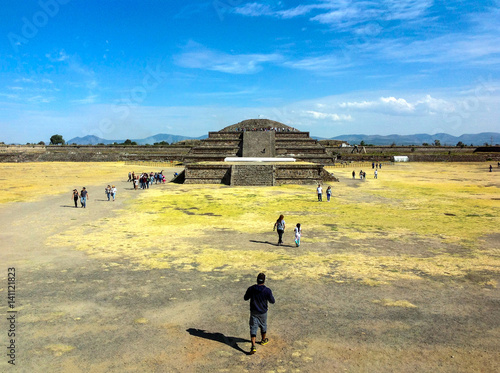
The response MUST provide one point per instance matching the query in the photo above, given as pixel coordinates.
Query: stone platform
(255, 173)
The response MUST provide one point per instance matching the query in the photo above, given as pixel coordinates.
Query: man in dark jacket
(259, 295)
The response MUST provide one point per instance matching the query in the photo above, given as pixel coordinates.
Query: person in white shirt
(298, 233)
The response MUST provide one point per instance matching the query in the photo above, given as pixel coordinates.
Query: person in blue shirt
(259, 295)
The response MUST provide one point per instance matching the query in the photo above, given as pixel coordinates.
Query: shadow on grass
(219, 337)
(270, 243)
(265, 242)
(73, 206)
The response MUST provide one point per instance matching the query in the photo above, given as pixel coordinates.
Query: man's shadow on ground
(219, 337)
(270, 243)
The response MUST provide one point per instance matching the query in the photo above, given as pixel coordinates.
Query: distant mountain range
(418, 139)
(94, 140)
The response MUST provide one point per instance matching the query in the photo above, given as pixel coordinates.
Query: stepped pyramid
(278, 139)
(260, 143)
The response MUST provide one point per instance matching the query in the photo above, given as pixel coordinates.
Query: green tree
(437, 142)
(56, 140)
(362, 143)
(460, 144)
(41, 143)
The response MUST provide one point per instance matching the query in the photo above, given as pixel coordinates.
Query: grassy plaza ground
(395, 274)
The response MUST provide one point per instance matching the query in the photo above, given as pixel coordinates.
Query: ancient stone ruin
(257, 152)
(259, 138)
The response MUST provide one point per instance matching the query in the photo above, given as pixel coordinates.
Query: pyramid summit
(258, 124)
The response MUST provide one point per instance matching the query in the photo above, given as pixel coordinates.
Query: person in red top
(259, 295)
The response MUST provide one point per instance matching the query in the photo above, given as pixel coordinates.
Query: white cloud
(9, 96)
(258, 10)
(32, 81)
(325, 64)
(329, 116)
(406, 9)
(299, 10)
(401, 106)
(39, 99)
(455, 48)
(90, 99)
(433, 105)
(345, 17)
(197, 56)
(358, 105)
(254, 10)
(25, 80)
(57, 57)
(397, 104)
(343, 13)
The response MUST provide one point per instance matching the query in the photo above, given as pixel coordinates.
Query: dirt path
(26, 225)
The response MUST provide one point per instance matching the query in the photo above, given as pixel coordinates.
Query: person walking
(353, 174)
(376, 174)
(113, 192)
(129, 177)
(107, 190)
(75, 197)
(319, 190)
(280, 227)
(259, 296)
(83, 197)
(328, 193)
(298, 233)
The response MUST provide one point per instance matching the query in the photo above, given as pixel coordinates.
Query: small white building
(401, 158)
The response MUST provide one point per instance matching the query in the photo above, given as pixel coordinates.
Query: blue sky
(132, 69)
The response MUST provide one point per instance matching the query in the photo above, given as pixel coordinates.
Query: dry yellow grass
(182, 226)
(31, 181)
